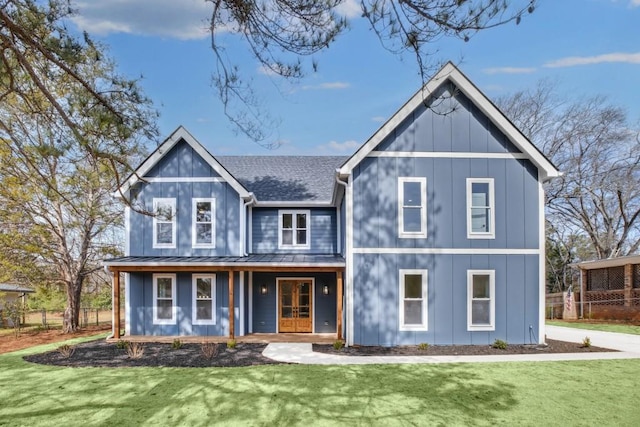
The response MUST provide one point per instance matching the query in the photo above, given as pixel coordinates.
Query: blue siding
(141, 303)
(376, 202)
(376, 299)
(322, 232)
(264, 306)
(451, 124)
(183, 162)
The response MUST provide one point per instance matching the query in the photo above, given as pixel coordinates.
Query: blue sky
(590, 47)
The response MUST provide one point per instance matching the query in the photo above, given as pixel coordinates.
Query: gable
(166, 160)
(425, 124)
(181, 161)
(447, 122)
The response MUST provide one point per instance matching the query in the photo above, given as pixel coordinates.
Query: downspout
(346, 276)
(244, 223)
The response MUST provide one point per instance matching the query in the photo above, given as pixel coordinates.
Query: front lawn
(605, 327)
(546, 393)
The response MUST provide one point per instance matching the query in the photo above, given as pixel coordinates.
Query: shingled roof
(285, 178)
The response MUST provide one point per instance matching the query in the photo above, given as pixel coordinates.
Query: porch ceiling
(254, 262)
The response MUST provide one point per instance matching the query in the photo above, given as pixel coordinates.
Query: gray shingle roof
(9, 287)
(285, 178)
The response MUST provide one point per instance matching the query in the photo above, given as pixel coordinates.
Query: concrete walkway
(628, 346)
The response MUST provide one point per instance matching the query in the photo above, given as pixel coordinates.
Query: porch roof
(264, 262)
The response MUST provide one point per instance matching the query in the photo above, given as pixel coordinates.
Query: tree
(279, 34)
(70, 125)
(598, 151)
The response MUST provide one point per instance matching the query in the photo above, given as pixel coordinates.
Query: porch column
(231, 307)
(339, 296)
(116, 304)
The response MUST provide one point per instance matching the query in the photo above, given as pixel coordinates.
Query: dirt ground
(32, 338)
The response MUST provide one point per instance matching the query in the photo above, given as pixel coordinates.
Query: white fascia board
(225, 264)
(293, 204)
(450, 72)
(166, 146)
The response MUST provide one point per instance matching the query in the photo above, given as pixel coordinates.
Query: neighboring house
(433, 231)
(610, 288)
(10, 293)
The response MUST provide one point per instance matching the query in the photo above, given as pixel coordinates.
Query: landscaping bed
(100, 353)
(459, 350)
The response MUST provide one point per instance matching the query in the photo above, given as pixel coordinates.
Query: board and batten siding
(167, 180)
(446, 144)
(141, 303)
(376, 299)
(322, 231)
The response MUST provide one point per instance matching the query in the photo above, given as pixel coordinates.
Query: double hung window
(480, 300)
(164, 223)
(480, 208)
(412, 207)
(204, 223)
(413, 300)
(294, 228)
(164, 299)
(204, 299)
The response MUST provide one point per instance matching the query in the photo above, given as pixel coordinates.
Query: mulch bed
(103, 354)
(459, 350)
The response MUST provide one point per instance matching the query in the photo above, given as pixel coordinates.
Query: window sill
(481, 328)
(486, 236)
(416, 328)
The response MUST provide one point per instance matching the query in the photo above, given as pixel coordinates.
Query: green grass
(545, 393)
(605, 327)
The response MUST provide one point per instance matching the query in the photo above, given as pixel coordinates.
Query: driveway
(613, 340)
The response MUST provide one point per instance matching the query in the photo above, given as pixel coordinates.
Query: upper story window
(164, 223)
(481, 300)
(294, 228)
(164, 299)
(412, 207)
(204, 223)
(480, 208)
(204, 299)
(413, 300)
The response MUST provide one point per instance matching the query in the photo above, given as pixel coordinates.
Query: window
(164, 299)
(480, 208)
(480, 300)
(294, 229)
(203, 225)
(204, 299)
(164, 223)
(413, 300)
(412, 207)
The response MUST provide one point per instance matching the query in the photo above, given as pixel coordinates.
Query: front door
(295, 305)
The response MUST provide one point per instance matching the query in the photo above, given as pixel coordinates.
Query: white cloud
(185, 19)
(572, 61)
(352, 9)
(634, 3)
(328, 85)
(509, 70)
(335, 147)
(378, 119)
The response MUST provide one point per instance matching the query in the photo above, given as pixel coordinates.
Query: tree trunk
(71, 320)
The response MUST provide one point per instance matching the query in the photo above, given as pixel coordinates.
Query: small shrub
(231, 344)
(176, 344)
(209, 350)
(135, 350)
(586, 342)
(499, 344)
(423, 346)
(338, 344)
(66, 350)
(122, 344)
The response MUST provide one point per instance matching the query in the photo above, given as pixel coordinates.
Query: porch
(278, 279)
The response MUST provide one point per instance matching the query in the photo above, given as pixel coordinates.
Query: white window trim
(174, 297)
(423, 208)
(194, 298)
(424, 326)
(491, 234)
(194, 203)
(172, 202)
(492, 300)
(281, 212)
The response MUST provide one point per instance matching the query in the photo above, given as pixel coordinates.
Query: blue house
(433, 231)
